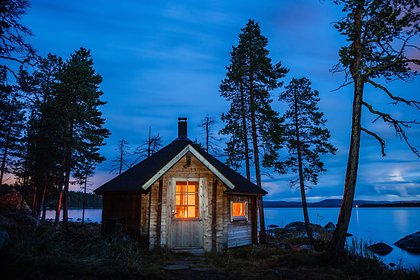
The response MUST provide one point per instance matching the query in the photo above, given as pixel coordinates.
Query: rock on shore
(380, 248)
(410, 243)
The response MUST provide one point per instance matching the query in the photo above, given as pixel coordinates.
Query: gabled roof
(141, 176)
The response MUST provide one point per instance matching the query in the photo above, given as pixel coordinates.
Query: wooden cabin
(182, 198)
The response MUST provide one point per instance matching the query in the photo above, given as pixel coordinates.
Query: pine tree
(379, 35)
(11, 125)
(253, 126)
(306, 138)
(43, 129)
(13, 48)
(78, 101)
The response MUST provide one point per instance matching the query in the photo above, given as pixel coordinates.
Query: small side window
(238, 211)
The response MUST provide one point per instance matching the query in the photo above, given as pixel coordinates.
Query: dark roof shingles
(132, 179)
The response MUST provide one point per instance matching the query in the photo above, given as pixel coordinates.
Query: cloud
(160, 60)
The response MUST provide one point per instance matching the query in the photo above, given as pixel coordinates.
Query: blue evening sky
(164, 59)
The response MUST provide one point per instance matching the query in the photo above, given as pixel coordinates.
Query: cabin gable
(182, 198)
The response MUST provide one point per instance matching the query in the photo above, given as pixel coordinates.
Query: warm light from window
(238, 210)
(186, 200)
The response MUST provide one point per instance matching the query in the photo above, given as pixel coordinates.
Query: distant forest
(92, 200)
(76, 201)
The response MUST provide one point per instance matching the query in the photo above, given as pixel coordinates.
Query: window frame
(239, 218)
(196, 183)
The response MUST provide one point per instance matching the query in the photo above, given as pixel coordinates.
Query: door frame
(172, 205)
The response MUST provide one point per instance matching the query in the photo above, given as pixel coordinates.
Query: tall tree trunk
(59, 203)
(149, 144)
(245, 134)
(301, 180)
(337, 243)
(35, 202)
(121, 158)
(42, 205)
(84, 199)
(3, 164)
(254, 136)
(66, 194)
(207, 135)
(68, 151)
(4, 156)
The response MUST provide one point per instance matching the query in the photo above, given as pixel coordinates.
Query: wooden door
(186, 227)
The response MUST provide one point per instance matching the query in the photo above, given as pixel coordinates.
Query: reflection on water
(401, 218)
(369, 224)
(357, 214)
(75, 215)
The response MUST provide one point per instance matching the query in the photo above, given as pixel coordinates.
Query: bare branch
(398, 125)
(393, 97)
(413, 46)
(380, 140)
(343, 85)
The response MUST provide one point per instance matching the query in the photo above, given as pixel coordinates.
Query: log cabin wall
(121, 213)
(227, 233)
(186, 168)
(240, 231)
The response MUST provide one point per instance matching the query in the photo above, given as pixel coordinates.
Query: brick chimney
(182, 129)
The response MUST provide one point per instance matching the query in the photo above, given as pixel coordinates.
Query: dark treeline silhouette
(51, 126)
(92, 200)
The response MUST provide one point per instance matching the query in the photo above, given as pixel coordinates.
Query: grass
(79, 252)
(46, 253)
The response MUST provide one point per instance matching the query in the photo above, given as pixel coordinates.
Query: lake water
(373, 225)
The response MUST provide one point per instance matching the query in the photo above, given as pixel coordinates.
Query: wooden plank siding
(240, 232)
(121, 213)
(149, 215)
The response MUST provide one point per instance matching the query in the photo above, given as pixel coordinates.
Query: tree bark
(6, 148)
(245, 133)
(254, 135)
(67, 166)
(207, 135)
(42, 205)
(59, 202)
(301, 180)
(337, 243)
(84, 199)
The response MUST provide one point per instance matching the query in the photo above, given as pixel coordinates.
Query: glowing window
(238, 211)
(186, 200)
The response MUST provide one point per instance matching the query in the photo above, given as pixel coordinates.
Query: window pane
(238, 209)
(181, 212)
(191, 199)
(186, 200)
(192, 188)
(192, 212)
(180, 188)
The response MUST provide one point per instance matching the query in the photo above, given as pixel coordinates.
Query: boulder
(410, 243)
(12, 201)
(330, 227)
(295, 226)
(380, 248)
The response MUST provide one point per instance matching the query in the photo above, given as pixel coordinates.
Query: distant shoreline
(358, 206)
(334, 203)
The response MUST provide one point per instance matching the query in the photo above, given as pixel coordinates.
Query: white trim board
(174, 160)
